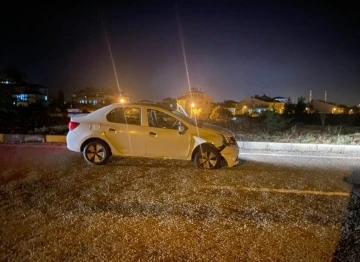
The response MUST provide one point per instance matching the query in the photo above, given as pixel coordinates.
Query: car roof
(150, 105)
(107, 108)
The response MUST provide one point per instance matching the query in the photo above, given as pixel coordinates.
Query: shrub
(220, 113)
(274, 122)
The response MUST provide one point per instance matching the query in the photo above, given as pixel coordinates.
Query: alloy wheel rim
(95, 153)
(208, 160)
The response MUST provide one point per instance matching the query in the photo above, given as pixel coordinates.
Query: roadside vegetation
(271, 127)
(25, 121)
(294, 126)
(306, 134)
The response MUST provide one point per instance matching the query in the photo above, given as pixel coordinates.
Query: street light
(244, 108)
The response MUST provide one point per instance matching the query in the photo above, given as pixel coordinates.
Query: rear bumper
(231, 155)
(73, 142)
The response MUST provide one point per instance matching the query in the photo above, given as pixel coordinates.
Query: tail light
(73, 125)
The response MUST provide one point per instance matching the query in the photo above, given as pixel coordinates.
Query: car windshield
(186, 118)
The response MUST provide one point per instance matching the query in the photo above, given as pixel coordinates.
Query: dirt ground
(55, 207)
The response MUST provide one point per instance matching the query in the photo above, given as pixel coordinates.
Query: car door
(125, 131)
(163, 138)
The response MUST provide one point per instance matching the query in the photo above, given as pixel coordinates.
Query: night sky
(234, 48)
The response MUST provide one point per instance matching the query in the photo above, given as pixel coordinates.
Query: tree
(229, 103)
(274, 122)
(60, 97)
(322, 116)
(289, 108)
(220, 113)
(12, 74)
(6, 98)
(300, 108)
(195, 112)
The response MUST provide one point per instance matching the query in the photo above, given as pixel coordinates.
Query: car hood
(225, 132)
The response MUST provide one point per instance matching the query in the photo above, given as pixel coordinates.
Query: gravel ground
(55, 207)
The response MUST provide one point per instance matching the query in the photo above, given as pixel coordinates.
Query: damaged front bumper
(231, 154)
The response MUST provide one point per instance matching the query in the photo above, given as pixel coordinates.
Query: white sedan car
(149, 130)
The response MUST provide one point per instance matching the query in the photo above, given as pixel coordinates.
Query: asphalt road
(293, 206)
(347, 166)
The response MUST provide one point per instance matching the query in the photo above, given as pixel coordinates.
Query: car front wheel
(207, 157)
(96, 152)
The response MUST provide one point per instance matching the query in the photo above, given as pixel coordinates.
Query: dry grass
(153, 210)
(304, 135)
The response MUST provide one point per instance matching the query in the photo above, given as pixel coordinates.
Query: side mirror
(181, 128)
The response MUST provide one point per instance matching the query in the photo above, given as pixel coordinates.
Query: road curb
(55, 139)
(298, 147)
(22, 138)
(248, 145)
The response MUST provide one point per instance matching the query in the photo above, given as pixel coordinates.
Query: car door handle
(152, 134)
(112, 130)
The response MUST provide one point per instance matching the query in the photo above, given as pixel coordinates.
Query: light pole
(244, 108)
(192, 110)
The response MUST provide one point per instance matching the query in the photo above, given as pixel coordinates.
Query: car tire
(207, 157)
(96, 152)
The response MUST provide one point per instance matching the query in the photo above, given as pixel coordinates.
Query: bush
(274, 122)
(24, 121)
(221, 114)
(58, 129)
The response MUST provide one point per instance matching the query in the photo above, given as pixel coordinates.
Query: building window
(22, 97)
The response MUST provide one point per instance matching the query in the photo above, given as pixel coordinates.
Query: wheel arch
(197, 148)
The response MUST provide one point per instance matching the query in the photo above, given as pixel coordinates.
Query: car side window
(127, 115)
(161, 120)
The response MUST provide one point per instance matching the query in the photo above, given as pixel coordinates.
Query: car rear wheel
(96, 152)
(207, 157)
